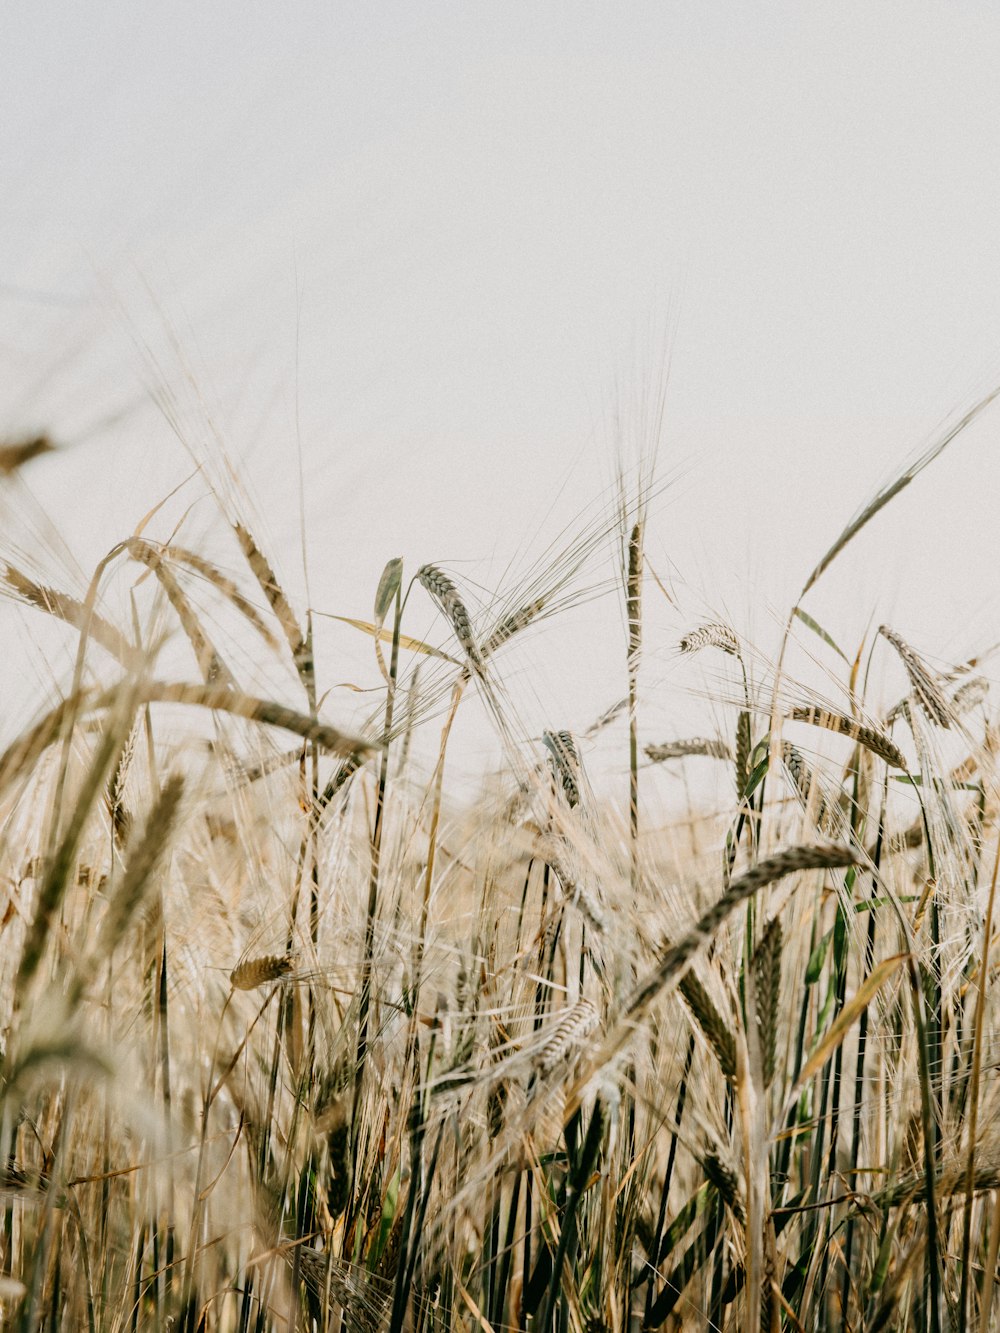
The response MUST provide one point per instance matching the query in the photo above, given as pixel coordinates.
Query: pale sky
(442, 243)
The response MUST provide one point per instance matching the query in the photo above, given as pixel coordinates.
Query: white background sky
(440, 242)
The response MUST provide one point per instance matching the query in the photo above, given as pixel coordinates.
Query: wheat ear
(73, 612)
(225, 700)
(925, 687)
(677, 956)
(744, 743)
(511, 625)
(262, 571)
(713, 749)
(565, 763)
(717, 1031)
(254, 972)
(210, 663)
(870, 738)
(444, 592)
(712, 635)
(225, 585)
(767, 985)
(565, 1035)
(726, 1181)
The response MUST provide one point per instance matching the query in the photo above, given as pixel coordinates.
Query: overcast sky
(445, 245)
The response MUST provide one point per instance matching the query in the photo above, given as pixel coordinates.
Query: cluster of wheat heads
(297, 1036)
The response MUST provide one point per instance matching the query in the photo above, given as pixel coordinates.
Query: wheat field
(300, 1031)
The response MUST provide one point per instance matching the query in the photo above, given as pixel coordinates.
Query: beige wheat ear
(261, 568)
(511, 625)
(254, 972)
(970, 695)
(24, 752)
(334, 1123)
(565, 1035)
(927, 690)
(744, 747)
(573, 888)
(210, 663)
(674, 958)
(712, 635)
(724, 1178)
(870, 738)
(226, 587)
(222, 699)
(809, 790)
(72, 612)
